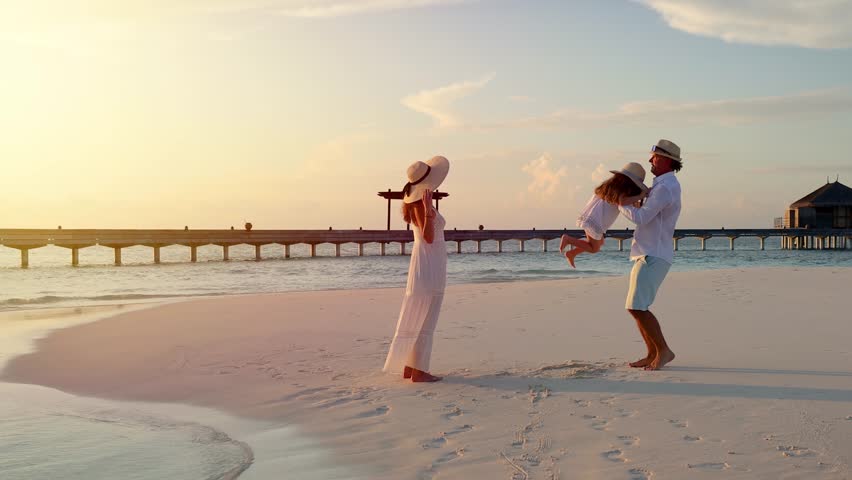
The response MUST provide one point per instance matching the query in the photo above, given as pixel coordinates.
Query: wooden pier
(25, 240)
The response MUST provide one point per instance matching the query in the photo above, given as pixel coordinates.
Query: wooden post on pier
(521, 246)
(360, 249)
(703, 243)
(620, 244)
(402, 248)
(286, 250)
(257, 256)
(500, 246)
(479, 246)
(25, 258)
(675, 242)
(544, 245)
(391, 195)
(156, 254)
(75, 256)
(762, 243)
(193, 253)
(458, 246)
(313, 250)
(732, 242)
(382, 248)
(225, 256)
(336, 249)
(117, 255)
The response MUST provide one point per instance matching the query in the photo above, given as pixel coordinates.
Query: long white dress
(424, 293)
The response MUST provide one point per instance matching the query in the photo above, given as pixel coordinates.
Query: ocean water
(46, 434)
(51, 281)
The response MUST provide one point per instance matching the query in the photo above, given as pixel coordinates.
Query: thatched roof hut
(829, 206)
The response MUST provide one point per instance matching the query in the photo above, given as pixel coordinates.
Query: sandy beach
(536, 383)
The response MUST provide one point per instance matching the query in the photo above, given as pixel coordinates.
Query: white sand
(536, 383)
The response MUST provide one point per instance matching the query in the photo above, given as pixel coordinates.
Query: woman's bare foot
(644, 362)
(663, 358)
(406, 372)
(565, 241)
(421, 376)
(571, 254)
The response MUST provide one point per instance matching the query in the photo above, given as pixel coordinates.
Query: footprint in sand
(430, 473)
(538, 392)
(793, 451)
(709, 467)
(625, 413)
(434, 443)
(614, 456)
(678, 423)
(378, 411)
(452, 412)
(690, 438)
(601, 425)
(457, 430)
(639, 474)
(448, 457)
(629, 440)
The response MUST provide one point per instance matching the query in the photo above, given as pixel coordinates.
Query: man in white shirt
(652, 250)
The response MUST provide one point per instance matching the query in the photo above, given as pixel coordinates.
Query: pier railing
(28, 239)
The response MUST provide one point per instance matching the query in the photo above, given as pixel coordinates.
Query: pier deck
(75, 239)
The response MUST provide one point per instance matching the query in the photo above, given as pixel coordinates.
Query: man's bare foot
(644, 362)
(421, 376)
(406, 372)
(662, 359)
(570, 255)
(565, 241)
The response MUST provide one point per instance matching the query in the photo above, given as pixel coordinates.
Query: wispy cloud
(438, 103)
(729, 112)
(825, 169)
(814, 24)
(336, 8)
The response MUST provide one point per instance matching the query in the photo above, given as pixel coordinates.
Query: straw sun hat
(423, 176)
(667, 148)
(634, 172)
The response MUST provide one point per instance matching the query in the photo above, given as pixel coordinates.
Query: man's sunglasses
(656, 149)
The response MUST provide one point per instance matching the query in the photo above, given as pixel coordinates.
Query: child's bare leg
(591, 245)
(565, 241)
(580, 246)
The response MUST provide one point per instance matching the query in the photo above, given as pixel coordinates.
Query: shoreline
(310, 358)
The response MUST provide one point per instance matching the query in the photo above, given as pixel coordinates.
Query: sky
(293, 114)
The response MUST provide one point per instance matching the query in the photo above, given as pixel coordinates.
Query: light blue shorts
(645, 279)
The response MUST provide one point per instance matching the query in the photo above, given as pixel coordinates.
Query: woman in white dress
(411, 348)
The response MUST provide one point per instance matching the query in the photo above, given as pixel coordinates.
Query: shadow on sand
(601, 384)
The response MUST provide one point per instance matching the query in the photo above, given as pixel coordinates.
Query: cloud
(830, 170)
(545, 179)
(335, 8)
(438, 103)
(600, 173)
(521, 98)
(730, 112)
(815, 24)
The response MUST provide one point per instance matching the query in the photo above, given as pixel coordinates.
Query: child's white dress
(597, 217)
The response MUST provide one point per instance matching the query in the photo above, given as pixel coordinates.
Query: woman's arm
(426, 223)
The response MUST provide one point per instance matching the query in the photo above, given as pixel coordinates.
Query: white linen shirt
(656, 219)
